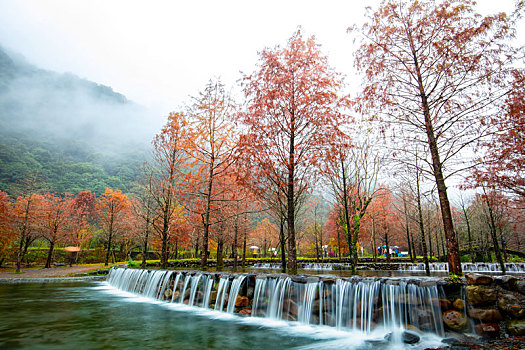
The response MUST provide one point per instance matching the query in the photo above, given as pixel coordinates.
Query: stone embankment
(490, 306)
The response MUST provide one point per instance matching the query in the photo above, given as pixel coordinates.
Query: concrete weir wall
(489, 306)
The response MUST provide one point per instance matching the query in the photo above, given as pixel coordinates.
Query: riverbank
(53, 272)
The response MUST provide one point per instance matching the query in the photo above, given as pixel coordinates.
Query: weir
(353, 304)
(466, 267)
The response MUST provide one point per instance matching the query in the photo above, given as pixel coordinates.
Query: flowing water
(97, 316)
(466, 267)
(365, 309)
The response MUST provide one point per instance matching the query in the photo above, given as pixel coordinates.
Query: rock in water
(454, 320)
(459, 304)
(485, 315)
(477, 278)
(242, 301)
(408, 337)
(487, 330)
(511, 306)
(245, 312)
(516, 327)
(478, 295)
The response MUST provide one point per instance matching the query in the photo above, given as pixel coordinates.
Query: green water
(82, 316)
(94, 315)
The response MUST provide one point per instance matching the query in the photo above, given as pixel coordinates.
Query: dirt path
(62, 271)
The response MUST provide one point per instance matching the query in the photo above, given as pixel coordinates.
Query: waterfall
(221, 292)
(267, 266)
(234, 291)
(351, 304)
(466, 267)
(318, 266)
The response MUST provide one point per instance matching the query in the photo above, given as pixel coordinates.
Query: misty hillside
(77, 134)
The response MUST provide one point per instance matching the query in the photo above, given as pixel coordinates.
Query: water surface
(93, 315)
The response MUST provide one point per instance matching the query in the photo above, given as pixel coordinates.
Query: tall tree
(26, 218)
(211, 143)
(293, 111)
(55, 217)
(7, 234)
(114, 209)
(167, 175)
(505, 160)
(433, 71)
(353, 173)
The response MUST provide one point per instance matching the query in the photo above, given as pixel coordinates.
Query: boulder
(242, 301)
(507, 282)
(245, 312)
(478, 279)
(454, 320)
(520, 286)
(445, 304)
(168, 293)
(450, 341)
(487, 330)
(511, 306)
(485, 315)
(459, 304)
(408, 337)
(213, 296)
(478, 295)
(516, 327)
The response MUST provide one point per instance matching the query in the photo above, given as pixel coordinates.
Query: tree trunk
(290, 196)
(220, 245)
(454, 261)
(205, 237)
(347, 219)
(422, 226)
(110, 236)
(388, 259)
(108, 249)
(410, 253)
(493, 232)
(282, 238)
(145, 249)
(49, 254)
(374, 238)
(244, 244)
(197, 247)
(234, 246)
(469, 235)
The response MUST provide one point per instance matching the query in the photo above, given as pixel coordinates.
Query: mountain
(77, 134)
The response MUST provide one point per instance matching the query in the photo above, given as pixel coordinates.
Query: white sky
(159, 52)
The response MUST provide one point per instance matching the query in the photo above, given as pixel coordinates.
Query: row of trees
(441, 95)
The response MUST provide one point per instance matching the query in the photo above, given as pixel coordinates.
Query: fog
(41, 104)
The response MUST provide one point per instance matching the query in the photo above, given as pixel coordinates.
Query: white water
(365, 308)
(466, 267)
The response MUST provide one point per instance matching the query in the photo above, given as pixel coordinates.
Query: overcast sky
(159, 52)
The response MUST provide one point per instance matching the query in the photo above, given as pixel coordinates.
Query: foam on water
(338, 312)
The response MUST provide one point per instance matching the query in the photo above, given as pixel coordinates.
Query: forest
(427, 158)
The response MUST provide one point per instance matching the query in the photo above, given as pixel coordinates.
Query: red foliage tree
(433, 71)
(114, 211)
(293, 111)
(7, 234)
(55, 212)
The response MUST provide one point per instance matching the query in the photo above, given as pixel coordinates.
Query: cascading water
(266, 266)
(318, 266)
(466, 267)
(364, 305)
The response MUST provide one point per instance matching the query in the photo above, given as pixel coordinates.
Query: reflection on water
(81, 316)
(96, 316)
